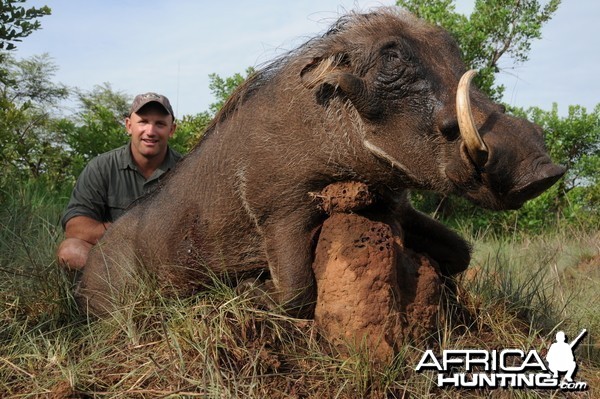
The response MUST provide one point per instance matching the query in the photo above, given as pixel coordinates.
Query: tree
(26, 94)
(103, 96)
(189, 131)
(223, 88)
(17, 22)
(497, 29)
(98, 126)
(30, 147)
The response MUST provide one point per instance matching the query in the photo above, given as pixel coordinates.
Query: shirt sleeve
(89, 197)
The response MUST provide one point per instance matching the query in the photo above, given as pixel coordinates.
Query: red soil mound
(371, 290)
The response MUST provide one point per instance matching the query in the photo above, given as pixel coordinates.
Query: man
(112, 181)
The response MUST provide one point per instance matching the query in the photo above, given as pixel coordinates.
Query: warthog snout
(533, 184)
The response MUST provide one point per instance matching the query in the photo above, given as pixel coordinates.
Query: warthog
(381, 98)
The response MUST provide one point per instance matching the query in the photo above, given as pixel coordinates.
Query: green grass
(217, 344)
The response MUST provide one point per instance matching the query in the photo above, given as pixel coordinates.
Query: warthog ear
(318, 71)
(329, 77)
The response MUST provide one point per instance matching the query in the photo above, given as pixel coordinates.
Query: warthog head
(407, 81)
(505, 167)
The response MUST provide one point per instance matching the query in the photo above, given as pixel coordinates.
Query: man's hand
(81, 233)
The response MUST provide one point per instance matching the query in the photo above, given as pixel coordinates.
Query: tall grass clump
(29, 233)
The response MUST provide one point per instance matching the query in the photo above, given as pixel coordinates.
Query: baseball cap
(142, 99)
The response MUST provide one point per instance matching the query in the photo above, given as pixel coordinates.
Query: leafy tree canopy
(223, 88)
(98, 125)
(17, 22)
(28, 98)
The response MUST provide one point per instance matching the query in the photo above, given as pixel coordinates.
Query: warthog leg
(289, 251)
(426, 235)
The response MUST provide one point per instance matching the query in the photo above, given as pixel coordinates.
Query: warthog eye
(391, 55)
(396, 52)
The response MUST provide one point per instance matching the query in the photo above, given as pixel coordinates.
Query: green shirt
(111, 183)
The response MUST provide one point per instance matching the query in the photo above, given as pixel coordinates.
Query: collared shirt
(111, 183)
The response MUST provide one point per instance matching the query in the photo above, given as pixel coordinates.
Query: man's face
(150, 129)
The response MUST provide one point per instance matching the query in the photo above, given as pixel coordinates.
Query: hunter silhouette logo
(507, 368)
(560, 356)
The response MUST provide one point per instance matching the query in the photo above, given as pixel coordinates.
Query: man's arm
(85, 228)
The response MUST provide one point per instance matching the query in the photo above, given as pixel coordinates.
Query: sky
(171, 47)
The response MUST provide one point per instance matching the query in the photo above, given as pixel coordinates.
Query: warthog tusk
(380, 153)
(475, 146)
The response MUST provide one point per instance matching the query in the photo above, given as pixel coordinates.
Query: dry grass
(217, 344)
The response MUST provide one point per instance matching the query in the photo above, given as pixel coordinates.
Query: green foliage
(104, 97)
(30, 145)
(39, 144)
(495, 29)
(573, 141)
(222, 88)
(97, 127)
(17, 22)
(189, 130)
